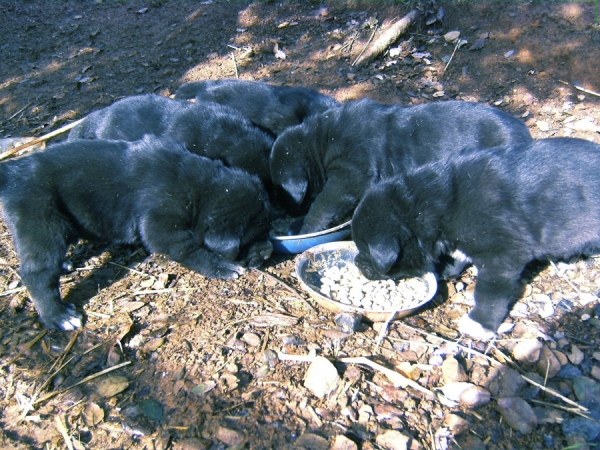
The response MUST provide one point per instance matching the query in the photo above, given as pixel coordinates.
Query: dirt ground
(194, 360)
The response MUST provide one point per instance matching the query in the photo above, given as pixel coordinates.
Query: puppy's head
(388, 246)
(290, 167)
(238, 215)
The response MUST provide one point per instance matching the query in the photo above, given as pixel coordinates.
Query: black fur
(327, 163)
(502, 208)
(210, 218)
(272, 108)
(206, 128)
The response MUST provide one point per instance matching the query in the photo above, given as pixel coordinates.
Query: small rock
(586, 390)
(527, 351)
(579, 426)
(509, 53)
(475, 396)
(576, 356)
(93, 414)
(548, 363)
(543, 126)
(454, 390)
(586, 298)
(229, 436)
(252, 339)
(518, 414)
(341, 442)
(312, 441)
(151, 409)
(153, 344)
(192, 444)
(321, 377)
(453, 371)
(456, 424)
(452, 36)
(595, 372)
(393, 440)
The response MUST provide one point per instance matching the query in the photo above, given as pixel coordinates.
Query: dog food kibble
(347, 285)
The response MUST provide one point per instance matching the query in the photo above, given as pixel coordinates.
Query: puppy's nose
(366, 271)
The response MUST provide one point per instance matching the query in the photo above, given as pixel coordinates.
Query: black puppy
(327, 163)
(208, 129)
(502, 208)
(272, 108)
(210, 218)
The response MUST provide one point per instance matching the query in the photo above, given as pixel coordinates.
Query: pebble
(548, 363)
(518, 414)
(321, 377)
(341, 442)
(191, 444)
(475, 397)
(312, 441)
(527, 351)
(252, 339)
(576, 356)
(453, 391)
(456, 424)
(452, 36)
(586, 390)
(393, 440)
(229, 436)
(453, 371)
(595, 372)
(579, 426)
(347, 285)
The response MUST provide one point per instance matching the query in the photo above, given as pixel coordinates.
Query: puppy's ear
(384, 253)
(296, 183)
(226, 245)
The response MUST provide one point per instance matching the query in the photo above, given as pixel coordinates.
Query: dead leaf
(93, 414)
(478, 44)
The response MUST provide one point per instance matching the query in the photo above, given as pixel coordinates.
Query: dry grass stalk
(494, 361)
(31, 343)
(62, 428)
(79, 383)
(14, 151)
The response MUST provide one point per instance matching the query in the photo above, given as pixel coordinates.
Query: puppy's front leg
(494, 292)
(43, 286)
(335, 203)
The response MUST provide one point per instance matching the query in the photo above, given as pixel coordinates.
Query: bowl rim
(311, 235)
(375, 316)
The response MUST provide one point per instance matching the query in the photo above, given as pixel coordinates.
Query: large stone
(518, 414)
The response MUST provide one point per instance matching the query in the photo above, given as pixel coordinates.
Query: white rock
(321, 377)
(527, 351)
(453, 391)
(452, 36)
(393, 440)
(475, 396)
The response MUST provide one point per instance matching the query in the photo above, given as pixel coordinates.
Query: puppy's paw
(469, 327)
(228, 271)
(259, 253)
(66, 319)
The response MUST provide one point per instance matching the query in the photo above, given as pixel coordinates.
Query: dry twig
(13, 151)
(387, 38)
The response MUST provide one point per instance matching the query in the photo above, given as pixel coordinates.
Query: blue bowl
(289, 245)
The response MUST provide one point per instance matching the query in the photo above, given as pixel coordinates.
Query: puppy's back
(273, 108)
(129, 119)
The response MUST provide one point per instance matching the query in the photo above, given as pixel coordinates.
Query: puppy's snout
(366, 271)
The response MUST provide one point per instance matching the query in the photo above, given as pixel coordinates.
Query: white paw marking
(460, 256)
(468, 326)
